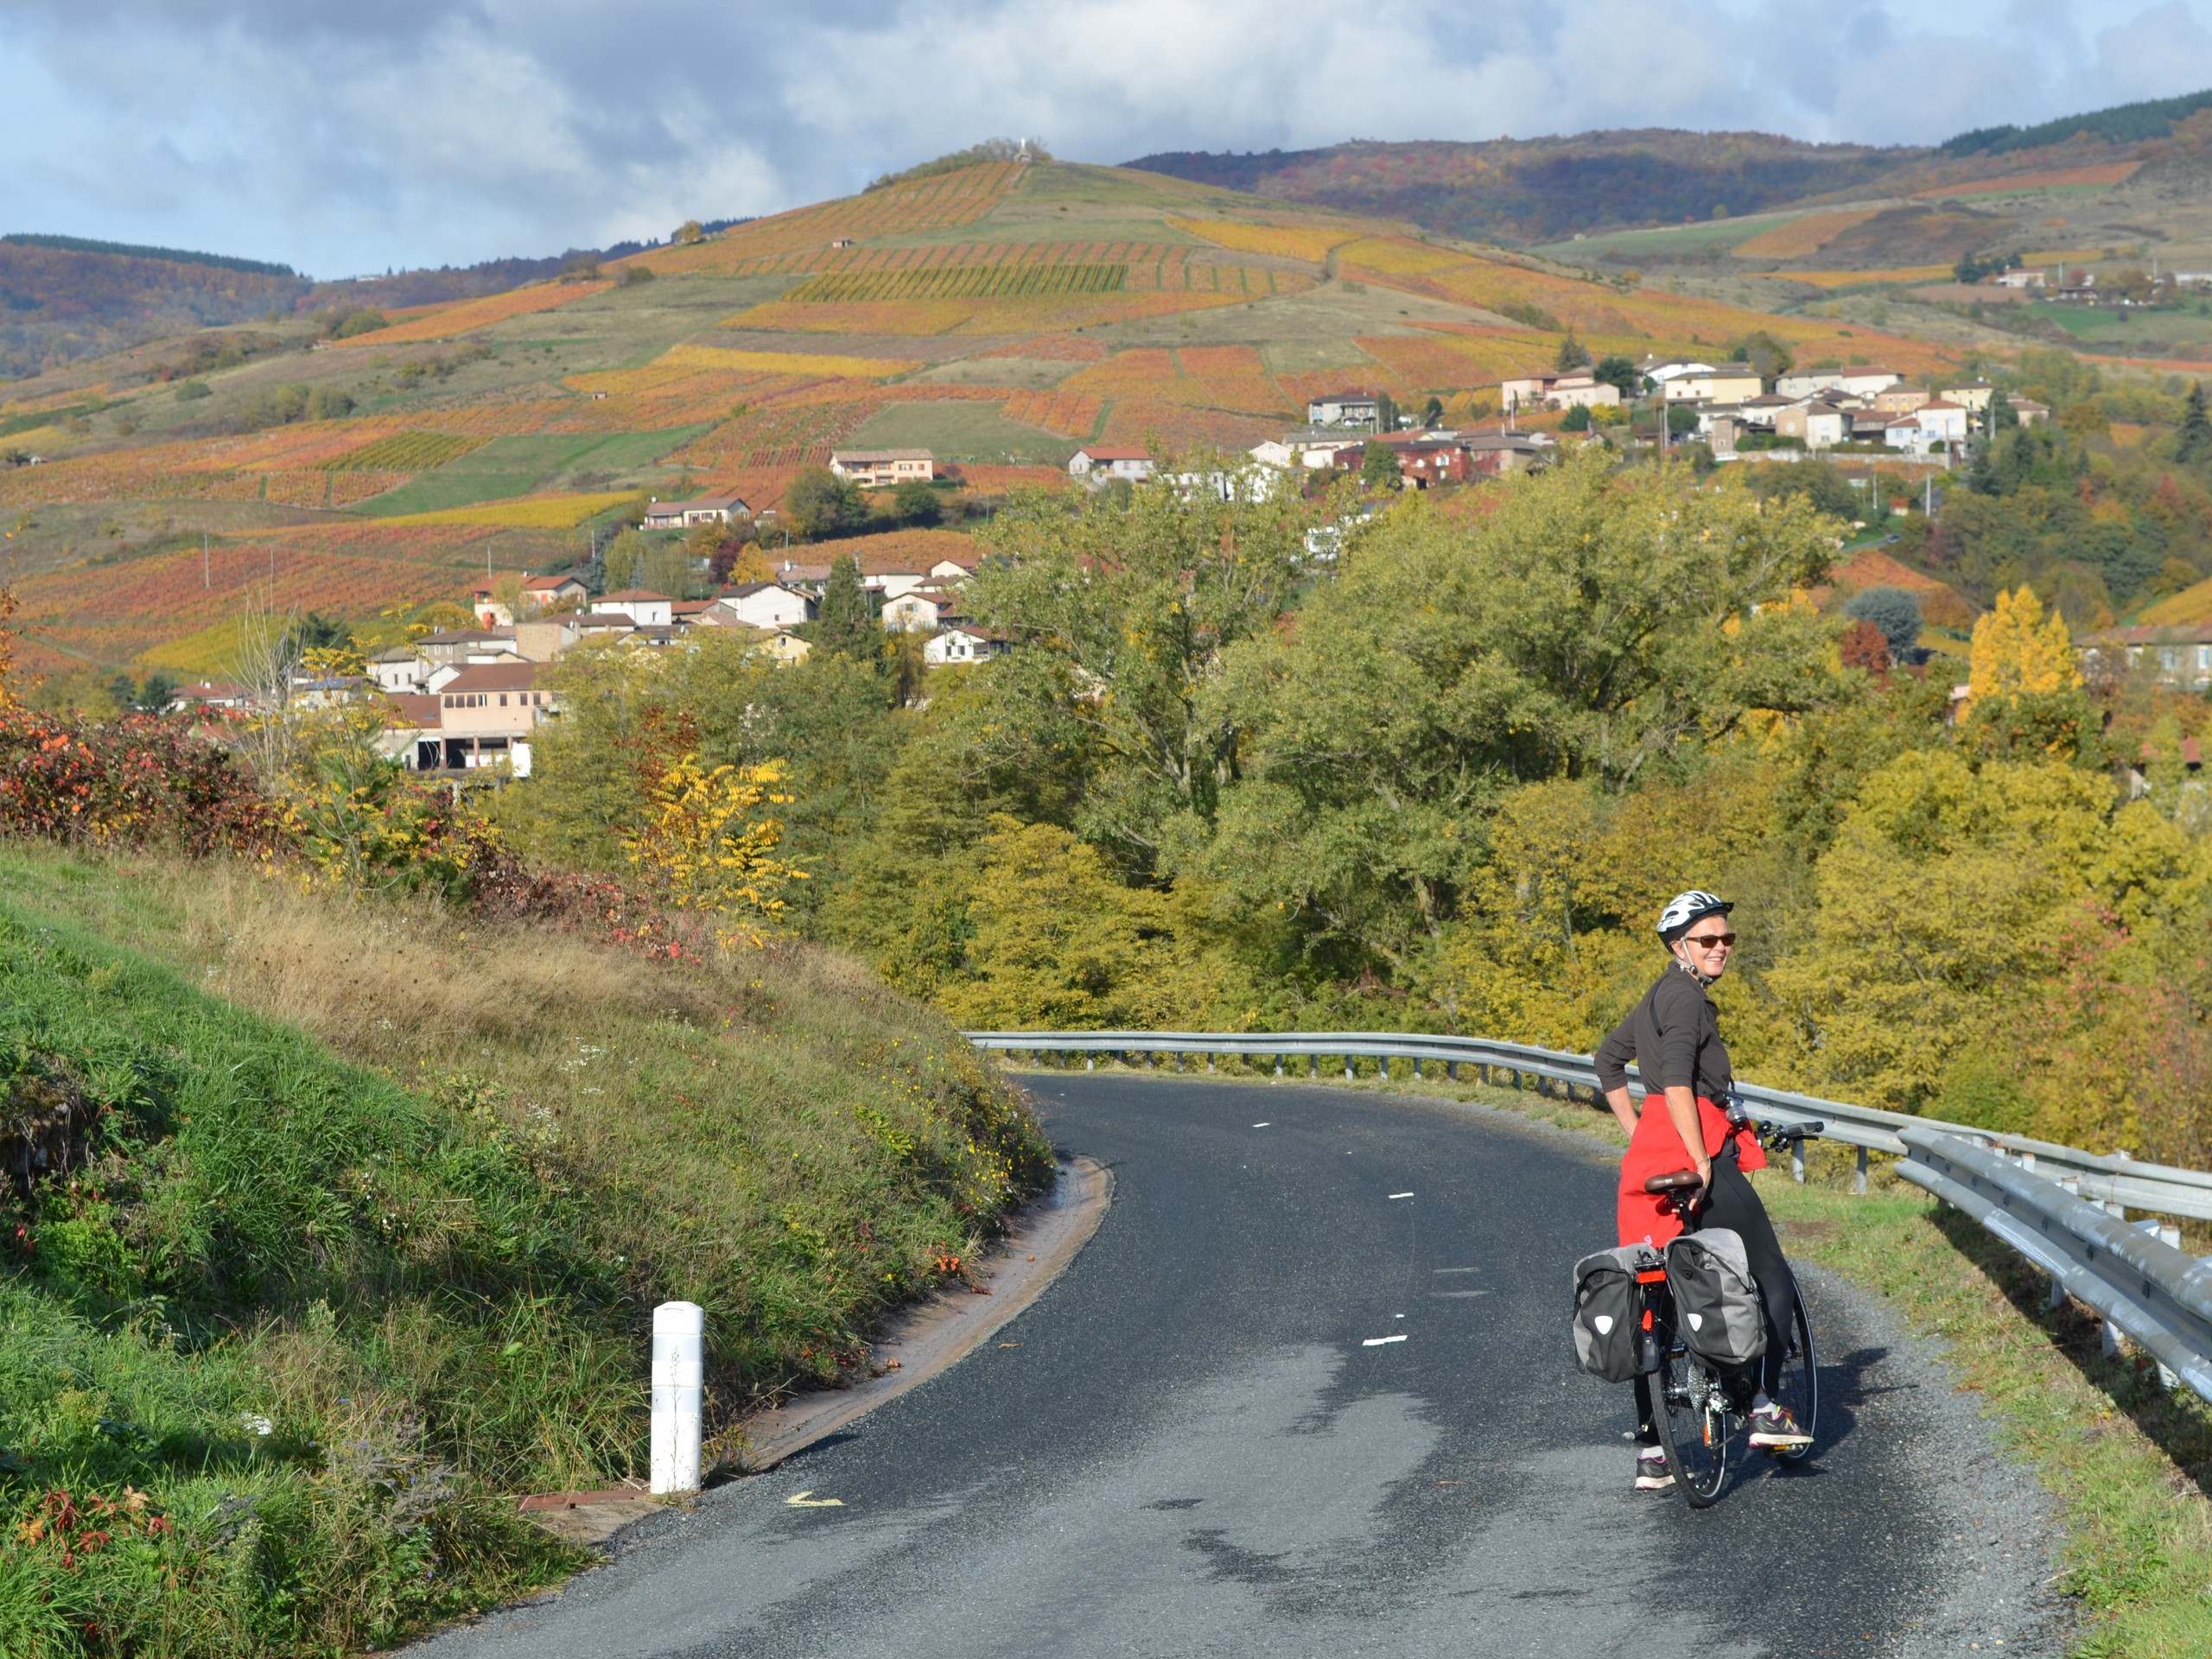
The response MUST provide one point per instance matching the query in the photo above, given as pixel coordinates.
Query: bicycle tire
(1692, 1410)
(1799, 1388)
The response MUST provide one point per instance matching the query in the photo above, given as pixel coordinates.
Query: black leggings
(1733, 1204)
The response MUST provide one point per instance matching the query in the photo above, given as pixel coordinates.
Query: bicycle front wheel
(1693, 1413)
(1799, 1388)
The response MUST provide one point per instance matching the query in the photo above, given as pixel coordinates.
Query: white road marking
(1377, 1342)
(1401, 1195)
(1455, 1269)
(807, 1500)
(1263, 1126)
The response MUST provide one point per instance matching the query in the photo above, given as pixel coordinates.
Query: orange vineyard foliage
(479, 313)
(1800, 237)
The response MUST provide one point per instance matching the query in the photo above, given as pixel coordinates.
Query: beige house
(765, 604)
(1715, 386)
(1973, 395)
(487, 715)
(1819, 426)
(543, 594)
(876, 469)
(921, 610)
(1104, 461)
(1900, 400)
(1573, 389)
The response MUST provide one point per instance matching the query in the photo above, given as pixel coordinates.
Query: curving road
(1188, 1447)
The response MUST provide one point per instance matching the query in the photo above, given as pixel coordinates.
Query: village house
(1345, 408)
(766, 604)
(541, 639)
(1762, 410)
(645, 609)
(1869, 425)
(1808, 383)
(920, 609)
(1728, 385)
(1495, 454)
(700, 510)
(1571, 389)
(878, 469)
(1864, 380)
(487, 715)
(2180, 657)
(961, 645)
(396, 668)
(2030, 412)
(1971, 395)
(1900, 400)
(543, 594)
(2021, 278)
(454, 646)
(1660, 370)
(210, 695)
(1818, 426)
(1422, 465)
(1101, 462)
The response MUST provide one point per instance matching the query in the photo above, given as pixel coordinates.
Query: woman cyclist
(1674, 1035)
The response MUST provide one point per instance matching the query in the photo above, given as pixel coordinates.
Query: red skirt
(1655, 1149)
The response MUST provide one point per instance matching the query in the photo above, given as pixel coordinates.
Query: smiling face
(1707, 946)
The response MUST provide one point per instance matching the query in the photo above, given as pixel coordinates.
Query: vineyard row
(968, 282)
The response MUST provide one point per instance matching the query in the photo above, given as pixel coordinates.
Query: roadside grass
(2129, 1464)
(372, 1208)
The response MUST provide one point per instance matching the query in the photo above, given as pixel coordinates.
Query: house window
(503, 699)
(2169, 659)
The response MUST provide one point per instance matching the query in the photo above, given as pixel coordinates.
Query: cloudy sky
(347, 137)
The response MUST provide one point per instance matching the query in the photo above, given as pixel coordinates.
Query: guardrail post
(1416, 1068)
(1859, 1179)
(1278, 1065)
(1452, 1071)
(1797, 1161)
(2054, 1298)
(2108, 1340)
(1091, 1062)
(1209, 1065)
(679, 1356)
(1347, 1068)
(1313, 1065)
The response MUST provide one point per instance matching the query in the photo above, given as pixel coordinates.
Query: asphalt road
(1187, 1447)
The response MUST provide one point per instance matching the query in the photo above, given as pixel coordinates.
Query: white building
(1098, 461)
(961, 645)
(766, 604)
(646, 610)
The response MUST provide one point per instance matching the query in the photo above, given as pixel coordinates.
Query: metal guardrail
(2116, 1178)
(2057, 1205)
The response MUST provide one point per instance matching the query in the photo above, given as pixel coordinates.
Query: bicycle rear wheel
(1799, 1389)
(1693, 1413)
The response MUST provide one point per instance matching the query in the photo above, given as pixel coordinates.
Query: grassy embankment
(2128, 1463)
(364, 1211)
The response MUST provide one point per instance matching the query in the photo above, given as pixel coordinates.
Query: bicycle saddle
(1681, 1181)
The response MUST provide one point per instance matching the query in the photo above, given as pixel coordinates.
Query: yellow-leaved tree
(2019, 650)
(694, 842)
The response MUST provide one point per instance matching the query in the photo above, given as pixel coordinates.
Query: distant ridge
(132, 250)
(2123, 123)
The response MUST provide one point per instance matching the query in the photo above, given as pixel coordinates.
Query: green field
(1724, 233)
(524, 466)
(962, 431)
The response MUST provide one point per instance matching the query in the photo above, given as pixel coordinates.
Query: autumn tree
(817, 504)
(2017, 649)
(846, 625)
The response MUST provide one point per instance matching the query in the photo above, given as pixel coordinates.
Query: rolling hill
(999, 314)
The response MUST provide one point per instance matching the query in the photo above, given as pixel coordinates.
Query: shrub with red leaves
(133, 781)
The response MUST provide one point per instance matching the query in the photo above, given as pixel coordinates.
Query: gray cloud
(346, 138)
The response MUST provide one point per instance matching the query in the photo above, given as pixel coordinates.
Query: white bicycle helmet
(1685, 908)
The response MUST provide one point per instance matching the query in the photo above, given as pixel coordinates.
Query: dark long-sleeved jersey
(1673, 1036)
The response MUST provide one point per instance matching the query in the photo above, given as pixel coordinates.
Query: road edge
(951, 1325)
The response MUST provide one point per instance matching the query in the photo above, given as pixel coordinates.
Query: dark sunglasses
(1708, 941)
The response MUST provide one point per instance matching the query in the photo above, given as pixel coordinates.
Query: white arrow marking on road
(1377, 1342)
(807, 1500)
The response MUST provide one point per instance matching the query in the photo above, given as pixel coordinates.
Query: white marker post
(679, 1353)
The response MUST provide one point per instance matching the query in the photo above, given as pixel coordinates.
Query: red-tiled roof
(493, 676)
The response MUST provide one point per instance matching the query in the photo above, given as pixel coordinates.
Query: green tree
(1121, 613)
(1431, 414)
(1895, 612)
(1576, 419)
(1386, 412)
(847, 625)
(916, 502)
(1378, 468)
(1591, 625)
(2193, 440)
(1572, 353)
(819, 504)
(1618, 373)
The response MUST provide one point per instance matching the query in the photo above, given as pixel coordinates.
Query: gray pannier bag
(1717, 1310)
(1611, 1340)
